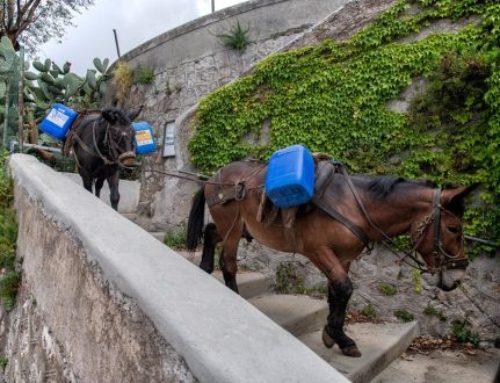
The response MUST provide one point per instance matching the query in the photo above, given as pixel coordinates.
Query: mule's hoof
(327, 339)
(351, 351)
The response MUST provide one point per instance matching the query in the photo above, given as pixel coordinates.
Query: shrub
(176, 238)
(462, 332)
(9, 278)
(3, 362)
(404, 315)
(289, 280)
(434, 312)
(387, 289)
(122, 79)
(144, 75)
(369, 311)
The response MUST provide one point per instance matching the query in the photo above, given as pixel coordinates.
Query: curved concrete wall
(114, 304)
(266, 19)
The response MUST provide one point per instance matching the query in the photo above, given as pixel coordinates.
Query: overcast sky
(135, 21)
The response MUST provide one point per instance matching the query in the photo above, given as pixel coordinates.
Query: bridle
(446, 261)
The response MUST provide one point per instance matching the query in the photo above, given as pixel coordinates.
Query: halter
(446, 260)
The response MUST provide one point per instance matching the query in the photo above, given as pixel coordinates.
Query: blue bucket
(58, 121)
(290, 177)
(144, 138)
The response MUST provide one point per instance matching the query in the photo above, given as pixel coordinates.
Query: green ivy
(333, 98)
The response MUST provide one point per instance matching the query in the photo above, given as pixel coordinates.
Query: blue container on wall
(290, 177)
(144, 138)
(58, 121)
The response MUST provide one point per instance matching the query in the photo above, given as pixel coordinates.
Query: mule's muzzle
(450, 279)
(127, 159)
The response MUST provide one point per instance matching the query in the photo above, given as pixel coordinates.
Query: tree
(34, 22)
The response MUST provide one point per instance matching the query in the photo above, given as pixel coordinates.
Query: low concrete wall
(112, 304)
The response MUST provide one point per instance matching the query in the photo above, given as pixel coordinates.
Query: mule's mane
(382, 186)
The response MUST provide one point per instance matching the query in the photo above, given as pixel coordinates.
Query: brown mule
(368, 209)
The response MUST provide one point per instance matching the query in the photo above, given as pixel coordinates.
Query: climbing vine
(333, 98)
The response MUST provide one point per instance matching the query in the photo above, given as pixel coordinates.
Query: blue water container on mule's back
(57, 123)
(290, 177)
(144, 138)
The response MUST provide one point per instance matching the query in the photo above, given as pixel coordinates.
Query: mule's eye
(453, 229)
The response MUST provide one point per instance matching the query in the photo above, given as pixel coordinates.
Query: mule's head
(120, 135)
(438, 236)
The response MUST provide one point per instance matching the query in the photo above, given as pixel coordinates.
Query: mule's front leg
(339, 293)
(98, 186)
(114, 195)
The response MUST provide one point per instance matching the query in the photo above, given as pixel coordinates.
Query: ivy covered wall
(333, 98)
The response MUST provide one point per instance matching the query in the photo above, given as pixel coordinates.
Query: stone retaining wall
(103, 301)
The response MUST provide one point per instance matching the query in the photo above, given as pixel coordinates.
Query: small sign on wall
(169, 140)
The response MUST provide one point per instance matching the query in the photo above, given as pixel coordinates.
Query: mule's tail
(196, 219)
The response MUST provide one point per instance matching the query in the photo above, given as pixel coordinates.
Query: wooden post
(117, 45)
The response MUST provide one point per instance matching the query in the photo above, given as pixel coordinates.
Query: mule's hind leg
(210, 239)
(339, 292)
(227, 259)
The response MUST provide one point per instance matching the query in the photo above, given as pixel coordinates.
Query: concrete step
(298, 314)
(379, 344)
(129, 193)
(444, 366)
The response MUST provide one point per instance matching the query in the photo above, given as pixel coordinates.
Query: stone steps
(298, 314)
(379, 344)
(304, 317)
(443, 366)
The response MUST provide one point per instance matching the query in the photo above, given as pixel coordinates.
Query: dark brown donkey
(103, 143)
(366, 209)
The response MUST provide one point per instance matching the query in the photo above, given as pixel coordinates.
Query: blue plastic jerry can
(58, 121)
(144, 138)
(290, 176)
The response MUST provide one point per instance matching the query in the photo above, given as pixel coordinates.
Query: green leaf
(99, 66)
(66, 67)
(47, 65)
(39, 66)
(55, 67)
(91, 78)
(73, 83)
(30, 76)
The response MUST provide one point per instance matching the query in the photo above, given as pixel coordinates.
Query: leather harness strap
(356, 230)
(327, 169)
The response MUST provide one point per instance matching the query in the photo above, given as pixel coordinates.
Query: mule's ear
(454, 198)
(132, 114)
(109, 114)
